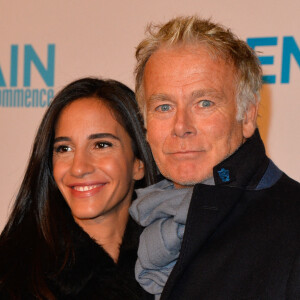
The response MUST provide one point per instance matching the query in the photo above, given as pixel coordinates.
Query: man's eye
(62, 149)
(163, 107)
(205, 103)
(100, 145)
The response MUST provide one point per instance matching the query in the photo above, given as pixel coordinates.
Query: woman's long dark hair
(37, 230)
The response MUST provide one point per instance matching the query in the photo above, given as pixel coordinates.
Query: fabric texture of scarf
(162, 209)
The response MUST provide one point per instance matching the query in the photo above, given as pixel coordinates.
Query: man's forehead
(193, 74)
(190, 48)
(186, 60)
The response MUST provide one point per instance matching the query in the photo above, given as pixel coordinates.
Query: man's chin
(183, 185)
(186, 182)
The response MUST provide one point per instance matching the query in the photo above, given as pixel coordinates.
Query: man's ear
(138, 169)
(249, 121)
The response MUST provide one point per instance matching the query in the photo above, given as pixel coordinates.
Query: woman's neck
(108, 230)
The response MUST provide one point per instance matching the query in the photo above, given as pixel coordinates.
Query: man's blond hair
(219, 41)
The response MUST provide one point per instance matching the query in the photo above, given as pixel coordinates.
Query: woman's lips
(86, 190)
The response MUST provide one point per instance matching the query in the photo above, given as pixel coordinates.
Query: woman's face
(93, 163)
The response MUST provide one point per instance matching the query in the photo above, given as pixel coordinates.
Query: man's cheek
(156, 145)
(153, 133)
(216, 129)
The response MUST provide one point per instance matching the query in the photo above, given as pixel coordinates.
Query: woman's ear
(249, 121)
(138, 169)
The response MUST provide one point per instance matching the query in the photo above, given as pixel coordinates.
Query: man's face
(191, 113)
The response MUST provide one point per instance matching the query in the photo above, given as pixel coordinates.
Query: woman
(69, 235)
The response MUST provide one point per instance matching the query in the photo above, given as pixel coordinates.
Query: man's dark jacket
(242, 236)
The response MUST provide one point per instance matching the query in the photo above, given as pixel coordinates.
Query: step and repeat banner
(47, 44)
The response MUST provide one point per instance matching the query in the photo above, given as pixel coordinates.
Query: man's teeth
(85, 188)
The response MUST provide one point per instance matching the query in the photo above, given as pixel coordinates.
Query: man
(239, 235)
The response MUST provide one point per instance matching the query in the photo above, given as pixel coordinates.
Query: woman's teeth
(85, 188)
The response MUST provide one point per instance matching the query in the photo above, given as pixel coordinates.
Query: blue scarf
(162, 209)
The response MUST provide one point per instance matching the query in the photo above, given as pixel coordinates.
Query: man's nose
(183, 123)
(81, 164)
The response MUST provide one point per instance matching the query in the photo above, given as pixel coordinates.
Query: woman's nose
(81, 164)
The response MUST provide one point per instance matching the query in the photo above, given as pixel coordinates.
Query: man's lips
(188, 154)
(185, 152)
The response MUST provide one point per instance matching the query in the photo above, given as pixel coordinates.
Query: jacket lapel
(210, 206)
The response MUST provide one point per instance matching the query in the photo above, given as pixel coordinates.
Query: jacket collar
(245, 167)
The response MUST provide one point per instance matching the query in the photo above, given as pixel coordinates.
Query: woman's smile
(84, 191)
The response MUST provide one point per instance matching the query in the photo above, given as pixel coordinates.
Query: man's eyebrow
(90, 137)
(195, 94)
(158, 97)
(206, 92)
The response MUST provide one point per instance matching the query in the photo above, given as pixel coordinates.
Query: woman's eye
(163, 107)
(62, 149)
(205, 103)
(100, 145)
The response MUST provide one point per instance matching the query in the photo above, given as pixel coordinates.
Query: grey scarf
(162, 209)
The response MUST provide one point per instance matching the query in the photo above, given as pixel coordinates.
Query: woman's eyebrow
(102, 135)
(61, 139)
(90, 137)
